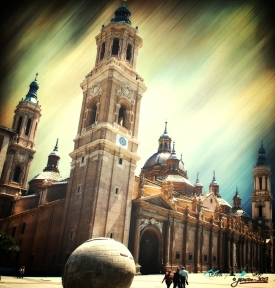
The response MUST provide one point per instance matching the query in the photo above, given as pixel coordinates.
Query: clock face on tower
(122, 141)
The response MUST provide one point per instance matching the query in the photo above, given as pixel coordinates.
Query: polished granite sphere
(99, 262)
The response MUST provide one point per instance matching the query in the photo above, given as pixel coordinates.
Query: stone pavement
(141, 281)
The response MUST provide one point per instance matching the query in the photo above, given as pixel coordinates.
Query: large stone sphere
(99, 262)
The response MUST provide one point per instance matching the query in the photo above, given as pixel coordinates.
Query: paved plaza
(141, 281)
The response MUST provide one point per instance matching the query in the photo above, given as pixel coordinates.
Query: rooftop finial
(56, 145)
(165, 129)
(173, 147)
(36, 77)
(214, 177)
(197, 176)
(236, 189)
(124, 2)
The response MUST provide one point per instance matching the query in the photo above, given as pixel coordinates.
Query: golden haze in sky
(208, 66)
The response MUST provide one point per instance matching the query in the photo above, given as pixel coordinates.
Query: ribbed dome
(157, 159)
(160, 159)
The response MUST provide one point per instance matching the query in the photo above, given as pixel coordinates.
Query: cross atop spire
(35, 79)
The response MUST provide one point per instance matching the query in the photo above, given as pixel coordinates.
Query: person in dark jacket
(177, 278)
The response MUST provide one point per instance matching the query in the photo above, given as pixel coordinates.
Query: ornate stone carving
(95, 90)
(21, 157)
(152, 221)
(126, 92)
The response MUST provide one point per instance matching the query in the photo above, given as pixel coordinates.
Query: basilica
(165, 220)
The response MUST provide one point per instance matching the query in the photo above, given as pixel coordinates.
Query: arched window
(122, 116)
(160, 146)
(16, 174)
(115, 46)
(93, 114)
(102, 51)
(129, 52)
(165, 145)
(27, 131)
(19, 124)
(260, 211)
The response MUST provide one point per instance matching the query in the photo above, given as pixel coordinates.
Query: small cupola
(122, 14)
(53, 160)
(198, 186)
(32, 94)
(198, 183)
(173, 160)
(261, 158)
(214, 186)
(164, 141)
(237, 201)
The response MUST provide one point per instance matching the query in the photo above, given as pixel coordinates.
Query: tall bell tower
(262, 197)
(98, 202)
(21, 149)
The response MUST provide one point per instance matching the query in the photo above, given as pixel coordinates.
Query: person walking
(168, 277)
(184, 277)
(177, 278)
(23, 271)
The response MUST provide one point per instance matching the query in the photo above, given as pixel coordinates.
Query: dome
(32, 94)
(34, 84)
(160, 159)
(173, 156)
(157, 159)
(122, 14)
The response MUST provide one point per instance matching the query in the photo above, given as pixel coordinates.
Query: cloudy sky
(208, 65)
